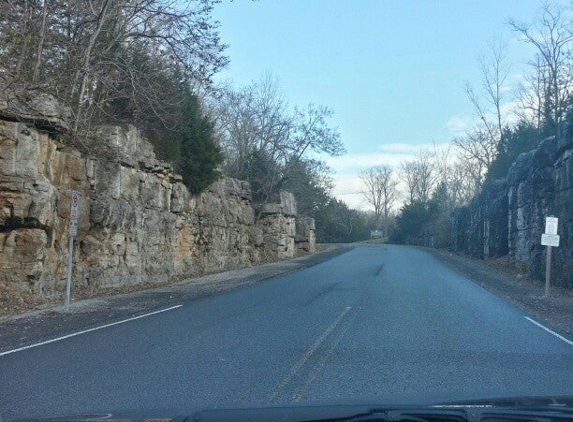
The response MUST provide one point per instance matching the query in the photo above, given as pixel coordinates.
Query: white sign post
(550, 239)
(74, 212)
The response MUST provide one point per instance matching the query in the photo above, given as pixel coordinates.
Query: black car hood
(309, 412)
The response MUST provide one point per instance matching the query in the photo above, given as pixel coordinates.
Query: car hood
(312, 412)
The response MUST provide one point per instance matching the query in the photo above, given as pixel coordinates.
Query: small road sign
(551, 225)
(73, 228)
(74, 212)
(550, 239)
(75, 206)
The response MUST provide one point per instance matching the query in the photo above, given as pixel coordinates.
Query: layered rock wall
(508, 217)
(305, 238)
(137, 221)
(278, 225)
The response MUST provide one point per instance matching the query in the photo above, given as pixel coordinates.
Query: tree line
(510, 122)
(151, 63)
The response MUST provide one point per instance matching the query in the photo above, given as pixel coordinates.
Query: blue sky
(392, 71)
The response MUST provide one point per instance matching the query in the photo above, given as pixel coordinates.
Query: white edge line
(88, 331)
(569, 342)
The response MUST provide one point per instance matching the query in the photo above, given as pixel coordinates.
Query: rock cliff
(508, 217)
(137, 221)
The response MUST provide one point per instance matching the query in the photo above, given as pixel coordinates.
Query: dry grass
(13, 300)
(509, 266)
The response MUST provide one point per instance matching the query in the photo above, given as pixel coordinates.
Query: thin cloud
(349, 187)
(459, 125)
(403, 148)
(391, 155)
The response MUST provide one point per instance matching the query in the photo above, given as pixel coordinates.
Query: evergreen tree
(410, 222)
(198, 155)
(514, 141)
(336, 223)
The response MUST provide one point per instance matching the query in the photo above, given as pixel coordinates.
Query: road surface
(379, 324)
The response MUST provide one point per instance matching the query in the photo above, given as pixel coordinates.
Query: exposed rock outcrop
(305, 239)
(480, 228)
(278, 224)
(508, 217)
(36, 108)
(137, 221)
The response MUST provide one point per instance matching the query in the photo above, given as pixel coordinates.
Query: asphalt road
(379, 324)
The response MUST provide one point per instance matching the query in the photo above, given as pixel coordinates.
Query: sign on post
(73, 230)
(74, 206)
(551, 225)
(550, 239)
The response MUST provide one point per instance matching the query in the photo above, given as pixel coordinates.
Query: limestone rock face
(508, 217)
(40, 109)
(278, 224)
(286, 206)
(305, 238)
(137, 221)
(480, 228)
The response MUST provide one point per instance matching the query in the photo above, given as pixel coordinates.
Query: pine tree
(199, 154)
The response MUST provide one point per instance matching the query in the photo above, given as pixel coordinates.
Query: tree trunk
(40, 42)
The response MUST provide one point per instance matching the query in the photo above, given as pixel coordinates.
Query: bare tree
(268, 143)
(457, 175)
(381, 192)
(420, 177)
(552, 36)
(488, 101)
(409, 177)
(101, 56)
(252, 118)
(531, 94)
(463, 183)
(41, 40)
(478, 148)
(460, 176)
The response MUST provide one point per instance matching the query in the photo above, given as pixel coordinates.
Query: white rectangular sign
(73, 228)
(551, 225)
(74, 212)
(75, 206)
(550, 239)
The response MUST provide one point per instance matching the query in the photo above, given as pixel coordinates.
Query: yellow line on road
(304, 359)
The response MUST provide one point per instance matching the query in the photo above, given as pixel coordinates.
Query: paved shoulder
(556, 312)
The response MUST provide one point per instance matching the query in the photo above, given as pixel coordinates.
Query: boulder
(40, 109)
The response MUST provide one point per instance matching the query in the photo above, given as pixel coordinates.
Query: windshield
(245, 204)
